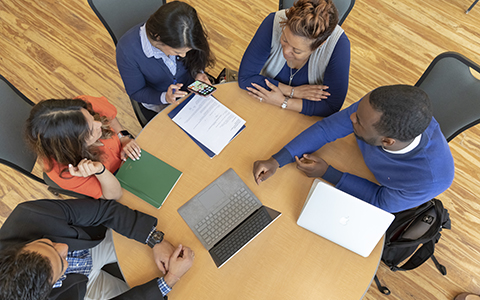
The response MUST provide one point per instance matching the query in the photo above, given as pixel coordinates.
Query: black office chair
(471, 6)
(343, 6)
(55, 189)
(454, 92)
(14, 152)
(118, 16)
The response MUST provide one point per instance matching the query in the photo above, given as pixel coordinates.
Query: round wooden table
(285, 261)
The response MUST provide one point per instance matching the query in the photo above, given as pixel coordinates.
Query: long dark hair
(177, 25)
(57, 131)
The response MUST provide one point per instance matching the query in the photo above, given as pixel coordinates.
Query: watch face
(158, 236)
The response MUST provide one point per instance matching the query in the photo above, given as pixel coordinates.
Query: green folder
(149, 178)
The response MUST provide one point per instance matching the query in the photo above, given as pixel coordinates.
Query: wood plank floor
(58, 49)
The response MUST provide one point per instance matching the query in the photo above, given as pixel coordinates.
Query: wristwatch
(124, 133)
(285, 102)
(155, 238)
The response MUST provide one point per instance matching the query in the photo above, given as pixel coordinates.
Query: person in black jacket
(41, 238)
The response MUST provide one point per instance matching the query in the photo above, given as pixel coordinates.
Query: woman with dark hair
(299, 59)
(157, 60)
(81, 144)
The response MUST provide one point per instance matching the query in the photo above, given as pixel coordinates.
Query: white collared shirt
(170, 61)
(409, 148)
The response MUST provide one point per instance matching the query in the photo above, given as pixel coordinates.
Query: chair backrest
(54, 188)
(118, 16)
(343, 6)
(14, 152)
(454, 92)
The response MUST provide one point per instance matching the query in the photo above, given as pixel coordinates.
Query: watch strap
(124, 133)
(153, 239)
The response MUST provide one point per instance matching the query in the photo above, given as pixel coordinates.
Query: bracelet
(291, 93)
(178, 278)
(101, 172)
(285, 102)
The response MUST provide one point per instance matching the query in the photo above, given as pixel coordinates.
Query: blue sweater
(145, 78)
(406, 180)
(335, 77)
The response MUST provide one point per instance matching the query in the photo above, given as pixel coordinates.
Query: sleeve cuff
(162, 98)
(154, 228)
(283, 157)
(332, 175)
(163, 286)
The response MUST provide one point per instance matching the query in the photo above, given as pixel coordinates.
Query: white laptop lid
(343, 219)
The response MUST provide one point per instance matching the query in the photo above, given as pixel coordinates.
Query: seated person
(299, 59)
(81, 144)
(157, 60)
(51, 249)
(400, 141)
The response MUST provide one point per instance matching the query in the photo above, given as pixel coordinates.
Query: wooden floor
(58, 49)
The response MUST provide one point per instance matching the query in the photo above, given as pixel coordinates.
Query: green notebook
(149, 178)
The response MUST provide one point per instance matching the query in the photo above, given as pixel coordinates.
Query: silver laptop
(343, 219)
(226, 216)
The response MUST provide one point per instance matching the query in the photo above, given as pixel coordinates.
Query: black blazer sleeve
(63, 221)
(67, 221)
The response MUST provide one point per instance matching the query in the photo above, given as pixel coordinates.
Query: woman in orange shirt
(81, 144)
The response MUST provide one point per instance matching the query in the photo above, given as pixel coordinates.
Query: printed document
(209, 121)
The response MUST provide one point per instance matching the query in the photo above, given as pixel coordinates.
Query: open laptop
(343, 219)
(225, 216)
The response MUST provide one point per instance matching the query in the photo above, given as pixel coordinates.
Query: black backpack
(410, 229)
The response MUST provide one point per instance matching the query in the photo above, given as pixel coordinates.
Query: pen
(174, 82)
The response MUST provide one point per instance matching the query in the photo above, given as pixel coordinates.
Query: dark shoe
(467, 296)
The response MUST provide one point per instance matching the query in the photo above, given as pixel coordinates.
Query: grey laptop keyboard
(224, 218)
(246, 231)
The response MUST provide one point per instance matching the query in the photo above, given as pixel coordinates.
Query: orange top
(111, 148)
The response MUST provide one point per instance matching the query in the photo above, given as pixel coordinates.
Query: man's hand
(180, 262)
(312, 165)
(161, 254)
(263, 169)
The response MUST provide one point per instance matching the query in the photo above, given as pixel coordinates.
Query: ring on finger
(261, 99)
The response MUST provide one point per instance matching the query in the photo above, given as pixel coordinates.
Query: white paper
(209, 121)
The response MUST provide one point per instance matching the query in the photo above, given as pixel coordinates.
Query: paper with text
(209, 121)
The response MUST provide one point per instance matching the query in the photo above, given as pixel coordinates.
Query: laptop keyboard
(225, 217)
(238, 238)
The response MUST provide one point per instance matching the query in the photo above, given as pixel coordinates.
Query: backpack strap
(383, 289)
(420, 256)
(439, 266)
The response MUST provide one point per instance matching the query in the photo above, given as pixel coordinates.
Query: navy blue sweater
(405, 180)
(145, 78)
(335, 77)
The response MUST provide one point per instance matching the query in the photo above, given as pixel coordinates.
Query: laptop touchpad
(212, 197)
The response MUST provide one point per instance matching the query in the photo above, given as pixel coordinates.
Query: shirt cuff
(154, 228)
(283, 157)
(332, 175)
(162, 98)
(163, 286)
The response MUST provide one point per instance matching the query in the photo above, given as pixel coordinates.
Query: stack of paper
(208, 122)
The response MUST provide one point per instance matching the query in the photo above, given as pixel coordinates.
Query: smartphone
(201, 88)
